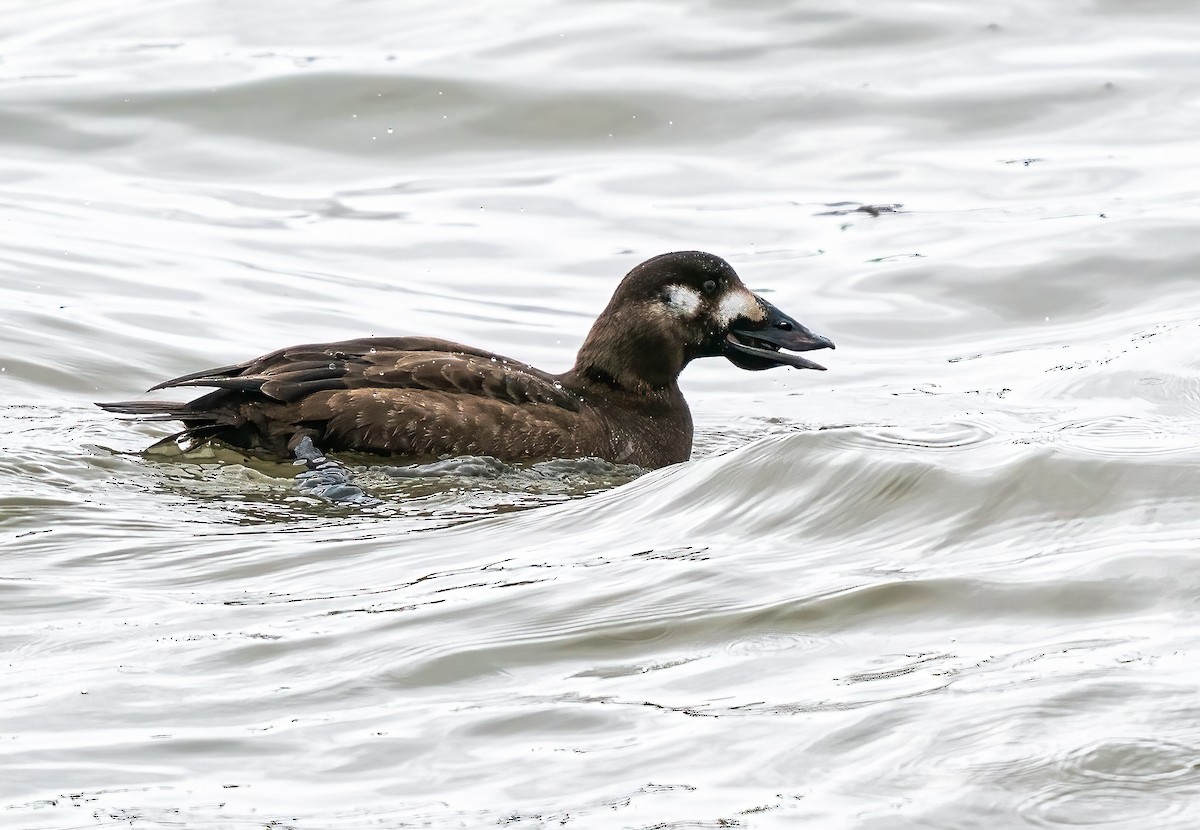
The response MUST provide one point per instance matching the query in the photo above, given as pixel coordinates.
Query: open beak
(756, 345)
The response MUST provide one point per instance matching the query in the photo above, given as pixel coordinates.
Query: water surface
(950, 583)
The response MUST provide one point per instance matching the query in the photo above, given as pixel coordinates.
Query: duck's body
(422, 397)
(425, 397)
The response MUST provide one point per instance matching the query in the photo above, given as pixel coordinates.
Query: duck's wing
(322, 352)
(427, 363)
(403, 396)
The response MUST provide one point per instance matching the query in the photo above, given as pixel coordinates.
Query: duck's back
(404, 396)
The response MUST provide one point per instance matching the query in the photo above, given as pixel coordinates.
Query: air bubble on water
(389, 130)
(332, 365)
(373, 350)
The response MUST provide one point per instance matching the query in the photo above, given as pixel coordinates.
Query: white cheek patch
(683, 301)
(738, 304)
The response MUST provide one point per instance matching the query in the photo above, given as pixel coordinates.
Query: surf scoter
(423, 397)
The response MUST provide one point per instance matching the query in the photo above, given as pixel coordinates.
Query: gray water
(952, 582)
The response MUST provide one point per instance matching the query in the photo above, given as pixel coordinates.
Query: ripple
(1138, 760)
(772, 641)
(1117, 782)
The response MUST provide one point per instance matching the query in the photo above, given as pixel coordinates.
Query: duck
(424, 397)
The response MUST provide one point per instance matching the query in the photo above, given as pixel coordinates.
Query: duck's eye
(710, 286)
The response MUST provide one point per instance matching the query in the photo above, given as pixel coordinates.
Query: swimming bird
(423, 397)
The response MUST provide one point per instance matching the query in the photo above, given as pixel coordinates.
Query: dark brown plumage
(425, 397)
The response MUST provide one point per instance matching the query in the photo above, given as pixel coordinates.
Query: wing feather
(394, 395)
(384, 362)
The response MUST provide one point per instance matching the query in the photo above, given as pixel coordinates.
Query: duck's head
(679, 306)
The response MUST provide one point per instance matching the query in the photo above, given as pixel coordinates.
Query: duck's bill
(760, 345)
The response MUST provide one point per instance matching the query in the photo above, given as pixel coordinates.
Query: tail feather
(246, 383)
(152, 410)
(218, 373)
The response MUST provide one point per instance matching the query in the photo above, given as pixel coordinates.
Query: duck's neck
(628, 355)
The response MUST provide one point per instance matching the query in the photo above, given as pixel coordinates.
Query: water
(950, 583)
